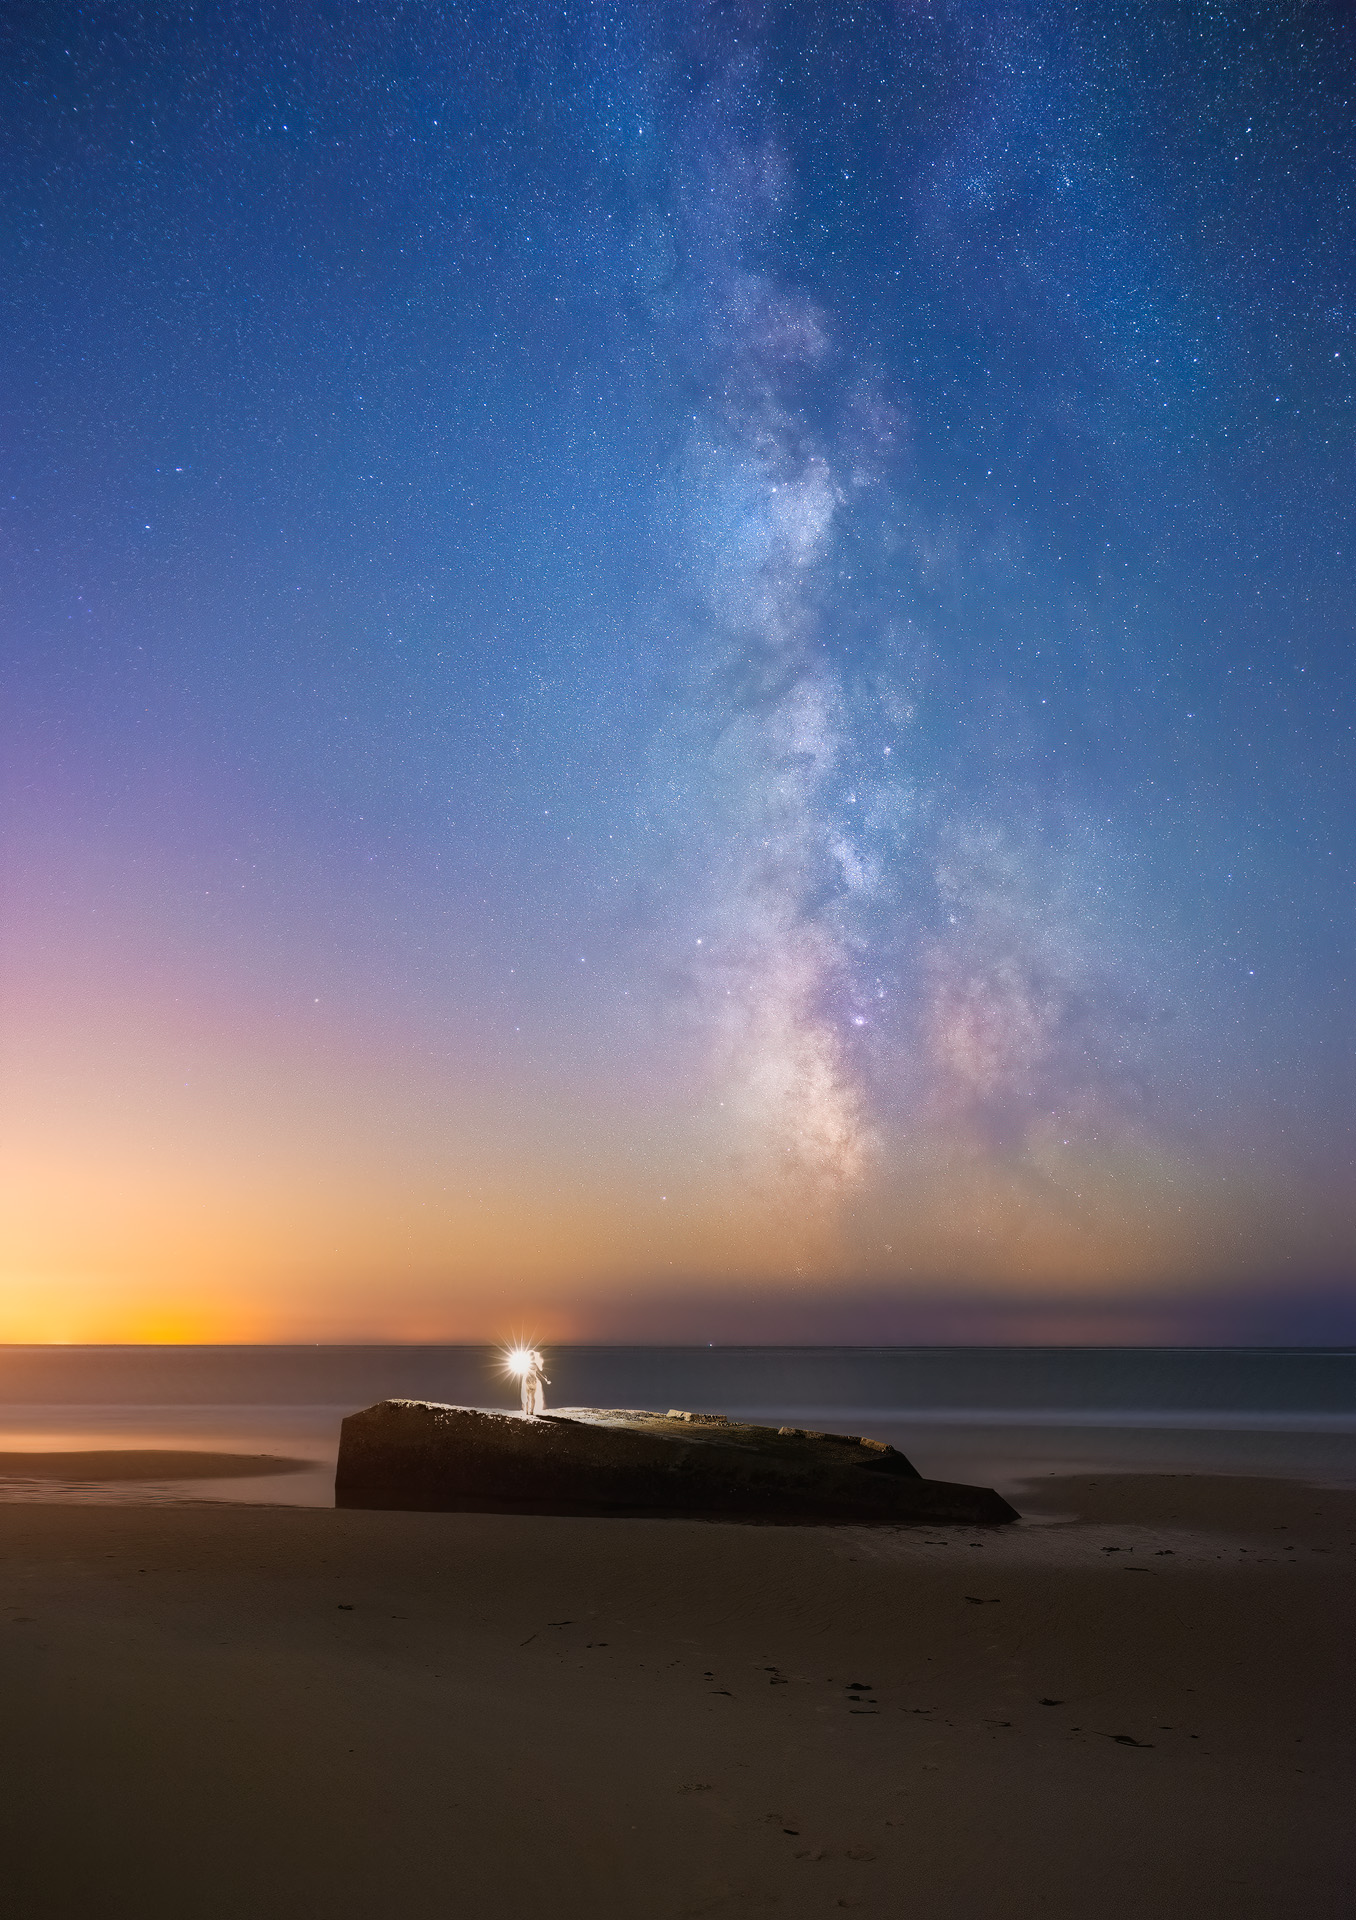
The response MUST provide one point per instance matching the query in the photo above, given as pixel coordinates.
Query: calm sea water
(1000, 1415)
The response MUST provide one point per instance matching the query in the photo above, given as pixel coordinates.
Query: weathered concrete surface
(589, 1460)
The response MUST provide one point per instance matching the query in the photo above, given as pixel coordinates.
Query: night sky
(678, 671)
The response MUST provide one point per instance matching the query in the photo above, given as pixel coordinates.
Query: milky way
(655, 652)
(865, 949)
(772, 742)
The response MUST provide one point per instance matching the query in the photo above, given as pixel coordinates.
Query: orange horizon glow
(191, 1172)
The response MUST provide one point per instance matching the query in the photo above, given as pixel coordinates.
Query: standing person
(534, 1378)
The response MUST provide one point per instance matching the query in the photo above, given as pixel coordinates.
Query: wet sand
(141, 1463)
(1139, 1702)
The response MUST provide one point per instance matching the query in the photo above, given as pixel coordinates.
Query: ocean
(1002, 1416)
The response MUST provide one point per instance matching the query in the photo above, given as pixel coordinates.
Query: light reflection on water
(309, 1434)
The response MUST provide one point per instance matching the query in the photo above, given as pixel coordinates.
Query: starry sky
(678, 671)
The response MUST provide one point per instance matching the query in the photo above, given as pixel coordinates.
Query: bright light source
(518, 1360)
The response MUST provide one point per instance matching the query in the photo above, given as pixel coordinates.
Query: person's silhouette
(534, 1378)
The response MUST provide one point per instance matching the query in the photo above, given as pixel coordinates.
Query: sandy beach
(1138, 1702)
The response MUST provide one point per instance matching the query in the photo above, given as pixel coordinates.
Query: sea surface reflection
(998, 1416)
